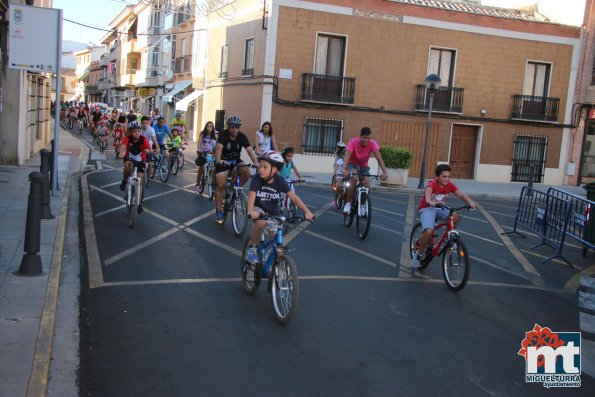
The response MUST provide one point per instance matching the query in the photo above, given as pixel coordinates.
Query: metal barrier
(581, 214)
(545, 215)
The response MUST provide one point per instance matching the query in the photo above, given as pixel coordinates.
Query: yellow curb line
(43, 350)
(93, 261)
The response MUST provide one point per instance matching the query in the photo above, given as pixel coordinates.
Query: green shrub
(396, 157)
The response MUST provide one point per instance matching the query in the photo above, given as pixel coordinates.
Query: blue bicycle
(275, 263)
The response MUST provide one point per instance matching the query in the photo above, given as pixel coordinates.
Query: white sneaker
(347, 208)
(416, 261)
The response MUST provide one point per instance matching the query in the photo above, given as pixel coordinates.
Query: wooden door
(462, 151)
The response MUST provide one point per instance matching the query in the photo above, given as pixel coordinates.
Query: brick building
(321, 70)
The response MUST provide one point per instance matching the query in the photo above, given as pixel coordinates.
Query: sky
(99, 13)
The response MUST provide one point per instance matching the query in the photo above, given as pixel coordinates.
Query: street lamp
(432, 84)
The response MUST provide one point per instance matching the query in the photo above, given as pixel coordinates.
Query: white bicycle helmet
(272, 157)
(134, 124)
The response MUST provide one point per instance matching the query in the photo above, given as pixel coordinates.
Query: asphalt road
(163, 312)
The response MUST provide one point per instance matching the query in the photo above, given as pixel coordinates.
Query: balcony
(222, 75)
(248, 72)
(535, 108)
(446, 99)
(103, 59)
(331, 89)
(182, 64)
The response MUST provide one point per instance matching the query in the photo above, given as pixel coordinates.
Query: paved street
(163, 311)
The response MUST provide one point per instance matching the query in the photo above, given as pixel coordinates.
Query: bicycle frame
(450, 229)
(133, 179)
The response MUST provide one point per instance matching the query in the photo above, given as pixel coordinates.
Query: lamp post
(432, 84)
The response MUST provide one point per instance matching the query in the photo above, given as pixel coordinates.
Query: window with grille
(321, 135)
(248, 58)
(223, 67)
(528, 153)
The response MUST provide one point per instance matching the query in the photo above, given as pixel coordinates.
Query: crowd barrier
(547, 216)
(580, 226)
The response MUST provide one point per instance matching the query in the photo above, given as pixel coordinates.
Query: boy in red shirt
(436, 193)
(134, 150)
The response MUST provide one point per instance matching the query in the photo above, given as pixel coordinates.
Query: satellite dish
(169, 74)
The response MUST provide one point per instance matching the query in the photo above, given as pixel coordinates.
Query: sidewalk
(25, 332)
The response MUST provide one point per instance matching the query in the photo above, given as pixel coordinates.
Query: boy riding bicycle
(266, 189)
(436, 193)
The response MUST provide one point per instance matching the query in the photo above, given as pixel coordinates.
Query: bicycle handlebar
(266, 217)
(465, 207)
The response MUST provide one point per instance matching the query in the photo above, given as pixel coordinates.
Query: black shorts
(224, 168)
(140, 165)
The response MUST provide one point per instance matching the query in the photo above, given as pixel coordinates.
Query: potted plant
(397, 161)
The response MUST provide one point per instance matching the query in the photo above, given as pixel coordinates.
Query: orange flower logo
(539, 337)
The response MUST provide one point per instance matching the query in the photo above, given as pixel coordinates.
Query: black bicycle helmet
(134, 124)
(288, 149)
(234, 120)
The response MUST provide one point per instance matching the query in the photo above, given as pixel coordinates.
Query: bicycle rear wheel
(348, 218)
(132, 206)
(285, 288)
(364, 216)
(416, 233)
(250, 277)
(164, 169)
(239, 215)
(156, 164)
(455, 264)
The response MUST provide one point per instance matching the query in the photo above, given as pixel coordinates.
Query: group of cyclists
(137, 138)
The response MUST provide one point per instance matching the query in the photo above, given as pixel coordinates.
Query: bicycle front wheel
(164, 169)
(156, 164)
(455, 264)
(416, 233)
(364, 216)
(239, 215)
(181, 160)
(348, 218)
(132, 207)
(174, 165)
(285, 288)
(250, 277)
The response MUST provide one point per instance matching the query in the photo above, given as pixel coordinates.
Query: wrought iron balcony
(537, 108)
(248, 72)
(446, 99)
(323, 88)
(91, 89)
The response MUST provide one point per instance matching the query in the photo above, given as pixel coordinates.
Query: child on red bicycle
(436, 193)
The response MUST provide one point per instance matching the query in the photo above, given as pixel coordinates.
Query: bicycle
(288, 207)
(206, 181)
(161, 163)
(275, 263)
(455, 257)
(181, 156)
(235, 200)
(102, 142)
(361, 207)
(80, 125)
(132, 198)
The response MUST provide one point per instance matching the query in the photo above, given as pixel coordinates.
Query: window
(223, 67)
(248, 58)
(537, 79)
(529, 151)
(156, 20)
(173, 52)
(155, 56)
(322, 135)
(330, 55)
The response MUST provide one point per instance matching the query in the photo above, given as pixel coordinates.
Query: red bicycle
(455, 257)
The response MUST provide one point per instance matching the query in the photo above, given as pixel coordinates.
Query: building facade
(321, 70)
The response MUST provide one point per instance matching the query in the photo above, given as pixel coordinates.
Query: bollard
(44, 168)
(31, 262)
(51, 165)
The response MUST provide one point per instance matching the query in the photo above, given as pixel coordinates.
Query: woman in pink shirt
(357, 155)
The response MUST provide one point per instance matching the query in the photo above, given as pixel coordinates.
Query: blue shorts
(358, 168)
(429, 216)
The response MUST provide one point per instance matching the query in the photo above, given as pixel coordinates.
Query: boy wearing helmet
(266, 189)
(134, 150)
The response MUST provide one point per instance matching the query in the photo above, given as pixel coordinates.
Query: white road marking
(211, 240)
(405, 262)
(139, 247)
(110, 210)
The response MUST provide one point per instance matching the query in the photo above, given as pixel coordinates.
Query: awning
(179, 86)
(183, 103)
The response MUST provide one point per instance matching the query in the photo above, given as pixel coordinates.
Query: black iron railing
(323, 88)
(321, 135)
(529, 152)
(446, 99)
(248, 72)
(539, 108)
